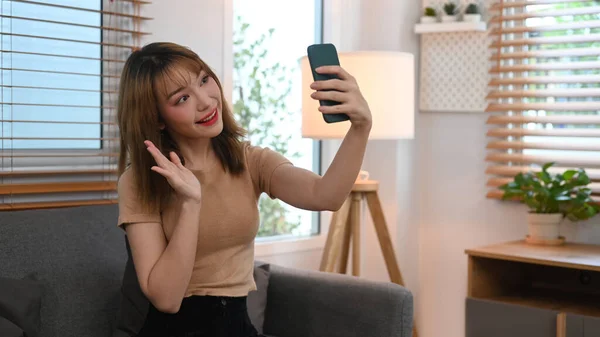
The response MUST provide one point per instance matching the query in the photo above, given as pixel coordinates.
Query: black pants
(201, 316)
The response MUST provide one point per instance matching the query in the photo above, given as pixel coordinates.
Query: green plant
(430, 11)
(564, 193)
(260, 90)
(472, 9)
(450, 8)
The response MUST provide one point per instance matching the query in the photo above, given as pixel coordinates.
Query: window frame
(281, 244)
(317, 143)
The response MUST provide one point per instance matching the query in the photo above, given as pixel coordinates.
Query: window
(39, 87)
(267, 94)
(60, 63)
(545, 90)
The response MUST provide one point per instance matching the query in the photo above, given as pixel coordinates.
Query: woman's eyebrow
(175, 91)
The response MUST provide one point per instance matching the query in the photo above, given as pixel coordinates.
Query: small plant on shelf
(551, 198)
(472, 13)
(450, 11)
(429, 15)
(472, 9)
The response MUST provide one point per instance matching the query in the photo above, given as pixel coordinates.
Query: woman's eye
(204, 80)
(182, 99)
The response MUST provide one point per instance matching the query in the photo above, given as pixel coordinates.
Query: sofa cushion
(78, 254)
(20, 303)
(257, 299)
(8, 329)
(134, 304)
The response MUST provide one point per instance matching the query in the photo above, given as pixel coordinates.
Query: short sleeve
(130, 206)
(262, 162)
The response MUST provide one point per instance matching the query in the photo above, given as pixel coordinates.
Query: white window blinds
(544, 100)
(61, 62)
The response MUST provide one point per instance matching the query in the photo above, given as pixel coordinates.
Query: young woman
(189, 187)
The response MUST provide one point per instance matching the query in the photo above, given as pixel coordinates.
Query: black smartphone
(325, 54)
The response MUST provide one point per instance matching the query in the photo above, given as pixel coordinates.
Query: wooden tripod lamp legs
(334, 238)
(387, 249)
(344, 231)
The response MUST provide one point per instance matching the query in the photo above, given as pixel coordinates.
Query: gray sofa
(77, 258)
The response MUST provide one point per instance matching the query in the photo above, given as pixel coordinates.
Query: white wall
(454, 215)
(198, 25)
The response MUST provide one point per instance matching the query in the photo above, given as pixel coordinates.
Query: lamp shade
(386, 80)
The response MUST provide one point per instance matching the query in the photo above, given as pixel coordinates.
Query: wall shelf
(446, 27)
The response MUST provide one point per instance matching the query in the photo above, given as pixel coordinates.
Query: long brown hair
(139, 118)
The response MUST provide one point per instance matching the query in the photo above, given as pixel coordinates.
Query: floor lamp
(386, 79)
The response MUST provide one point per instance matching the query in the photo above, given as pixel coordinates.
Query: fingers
(335, 70)
(161, 171)
(335, 109)
(333, 84)
(330, 95)
(175, 159)
(160, 158)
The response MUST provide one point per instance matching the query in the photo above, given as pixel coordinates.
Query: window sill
(275, 246)
(288, 244)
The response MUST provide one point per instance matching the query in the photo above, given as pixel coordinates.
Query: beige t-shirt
(228, 223)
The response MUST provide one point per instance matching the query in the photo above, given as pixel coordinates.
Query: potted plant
(430, 15)
(472, 13)
(450, 11)
(551, 198)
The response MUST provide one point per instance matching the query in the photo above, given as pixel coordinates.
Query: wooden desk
(517, 289)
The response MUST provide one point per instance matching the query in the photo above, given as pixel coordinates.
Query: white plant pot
(449, 18)
(428, 19)
(471, 17)
(544, 227)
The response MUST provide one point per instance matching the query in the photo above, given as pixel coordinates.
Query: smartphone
(325, 54)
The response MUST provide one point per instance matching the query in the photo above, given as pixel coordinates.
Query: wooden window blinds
(61, 62)
(544, 98)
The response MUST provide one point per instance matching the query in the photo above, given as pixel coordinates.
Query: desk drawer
(488, 318)
(582, 326)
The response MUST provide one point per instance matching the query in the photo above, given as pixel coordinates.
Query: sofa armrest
(303, 303)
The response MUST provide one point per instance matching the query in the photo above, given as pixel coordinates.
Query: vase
(428, 19)
(544, 228)
(471, 17)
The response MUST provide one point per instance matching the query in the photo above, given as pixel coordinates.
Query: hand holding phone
(325, 55)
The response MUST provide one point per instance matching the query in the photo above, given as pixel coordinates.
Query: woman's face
(194, 109)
